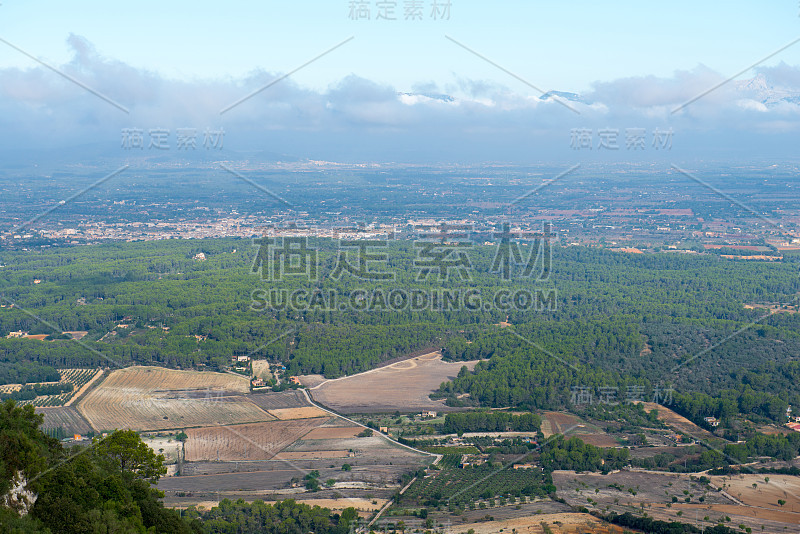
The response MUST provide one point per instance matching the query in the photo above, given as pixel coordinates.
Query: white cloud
(40, 108)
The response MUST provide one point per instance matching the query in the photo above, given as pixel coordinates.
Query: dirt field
(333, 432)
(679, 422)
(664, 496)
(573, 426)
(306, 412)
(598, 440)
(773, 521)
(259, 441)
(629, 488)
(560, 523)
(283, 399)
(403, 386)
(336, 505)
(261, 369)
(764, 495)
(154, 398)
(311, 455)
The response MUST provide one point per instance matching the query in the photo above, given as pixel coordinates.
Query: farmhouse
(17, 334)
(427, 414)
(524, 466)
(713, 421)
(469, 460)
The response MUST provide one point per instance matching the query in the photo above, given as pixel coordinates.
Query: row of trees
(573, 454)
(486, 421)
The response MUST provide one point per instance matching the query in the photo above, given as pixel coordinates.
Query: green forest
(649, 322)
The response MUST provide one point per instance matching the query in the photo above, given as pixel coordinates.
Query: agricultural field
(269, 459)
(284, 399)
(688, 498)
(305, 412)
(261, 369)
(258, 441)
(629, 488)
(403, 386)
(680, 423)
(333, 432)
(573, 426)
(154, 398)
(312, 455)
(66, 418)
(564, 523)
(754, 490)
(80, 379)
(462, 487)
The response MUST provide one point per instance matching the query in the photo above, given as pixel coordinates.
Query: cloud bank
(357, 119)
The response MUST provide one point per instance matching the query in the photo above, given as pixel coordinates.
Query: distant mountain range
(756, 88)
(760, 90)
(564, 95)
(432, 96)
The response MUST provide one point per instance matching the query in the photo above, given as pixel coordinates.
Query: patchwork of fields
(153, 398)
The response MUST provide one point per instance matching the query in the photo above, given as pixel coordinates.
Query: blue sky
(177, 64)
(555, 45)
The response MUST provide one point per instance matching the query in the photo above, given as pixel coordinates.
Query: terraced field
(154, 398)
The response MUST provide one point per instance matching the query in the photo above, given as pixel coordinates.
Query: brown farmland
(679, 422)
(258, 441)
(154, 398)
(573, 426)
(333, 432)
(765, 494)
(311, 455)
(275, 400)
(306, 412)
(403, 386)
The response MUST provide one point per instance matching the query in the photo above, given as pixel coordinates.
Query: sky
(178, 64)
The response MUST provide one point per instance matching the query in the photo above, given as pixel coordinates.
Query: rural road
(437, 457)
